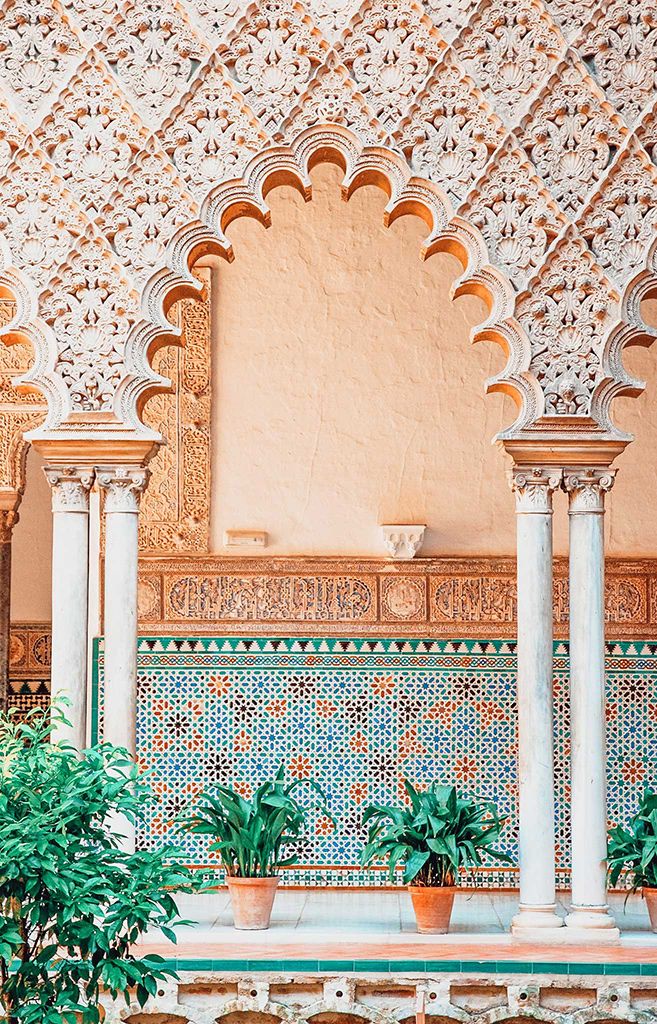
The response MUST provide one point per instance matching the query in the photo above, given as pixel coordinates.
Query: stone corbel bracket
(403, 542)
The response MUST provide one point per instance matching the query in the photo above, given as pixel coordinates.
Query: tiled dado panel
(474, 597)
(29, 665)
(359, 715)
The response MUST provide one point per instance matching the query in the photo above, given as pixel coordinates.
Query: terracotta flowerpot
(252, 900)
(433, 907)
(651, 902)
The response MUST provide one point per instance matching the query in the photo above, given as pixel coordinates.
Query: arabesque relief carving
(175, 509)
(134, 134)
(452, 597)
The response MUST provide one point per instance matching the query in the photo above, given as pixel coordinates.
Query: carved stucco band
(587, 488)
(70, 488)
(533, 488)
(123, 487)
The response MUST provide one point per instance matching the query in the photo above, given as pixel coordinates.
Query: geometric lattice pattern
(360, 715)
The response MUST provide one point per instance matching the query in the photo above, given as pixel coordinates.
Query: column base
(591, 924)
(541, 923)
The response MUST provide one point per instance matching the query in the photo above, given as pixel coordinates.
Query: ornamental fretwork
(523, 132)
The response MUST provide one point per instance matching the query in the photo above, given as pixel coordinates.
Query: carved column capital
(70, 486)
(586, 489)
(8, 520)
(533, 487)
(123, 487)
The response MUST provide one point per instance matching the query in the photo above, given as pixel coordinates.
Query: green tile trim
(282, 644)
(94, 692)
(384, 966)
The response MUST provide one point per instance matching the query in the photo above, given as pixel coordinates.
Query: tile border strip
(386, 966)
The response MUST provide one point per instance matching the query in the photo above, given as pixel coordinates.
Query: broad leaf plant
(435, 836)
(73, 902)
(253, 837)
(632, 850)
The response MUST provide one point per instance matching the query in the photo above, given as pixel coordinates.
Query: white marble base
(537, 923)
(594, 924)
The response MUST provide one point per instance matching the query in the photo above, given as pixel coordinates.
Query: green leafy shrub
(435, 836)
(73, 903)
(252, 836)
(633, 850)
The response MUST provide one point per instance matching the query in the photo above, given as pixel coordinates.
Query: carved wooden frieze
(429, 597)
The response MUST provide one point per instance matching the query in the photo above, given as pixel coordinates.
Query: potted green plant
(252, 838)
(435, 836)
(632, 851)
(73, 903)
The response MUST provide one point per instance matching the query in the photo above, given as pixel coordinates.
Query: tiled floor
(334, 925)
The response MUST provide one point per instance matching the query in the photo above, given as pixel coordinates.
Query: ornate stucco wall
(347, 395)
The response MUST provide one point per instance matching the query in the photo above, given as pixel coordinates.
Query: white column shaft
(120, 676)
(70, 572)
(535, 766)
(588, 802)
(535, 715)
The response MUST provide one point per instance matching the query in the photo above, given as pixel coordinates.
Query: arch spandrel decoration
(507, 126)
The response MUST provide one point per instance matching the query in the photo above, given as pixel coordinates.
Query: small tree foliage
(73, 902)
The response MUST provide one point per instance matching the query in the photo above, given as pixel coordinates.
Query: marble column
(588, 803)
(70, 574)
(8, 519)
(123, 487)
(533, 489)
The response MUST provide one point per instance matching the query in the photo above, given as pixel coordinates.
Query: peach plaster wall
(347, 394)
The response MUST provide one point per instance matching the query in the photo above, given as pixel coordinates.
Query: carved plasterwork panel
(18, 412)
(38, 215)
(211, 134)
(154, 50)
(620, 220)
(272, 55)
(621, 40)
(144, 211)
(92, 16)
(646, 132)
(175, 509)
(390, 48)
(450, 133)
(91, 309)
(216, 15)
(469, 597)
(92, 134)
(12, 135)
(415, 96)
(572, 15)
(450, 16)
(514, 212)
(567, 312)
(37, 48)
(333, 16)
(510, 48)
(571, 134)
(332, 96)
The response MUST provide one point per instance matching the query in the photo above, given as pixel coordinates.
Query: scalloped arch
(26, 326)
(362, 165)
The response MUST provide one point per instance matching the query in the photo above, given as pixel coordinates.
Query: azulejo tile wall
(359, 715)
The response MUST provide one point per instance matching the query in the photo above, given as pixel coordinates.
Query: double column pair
(586, 490)
(122, 487)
